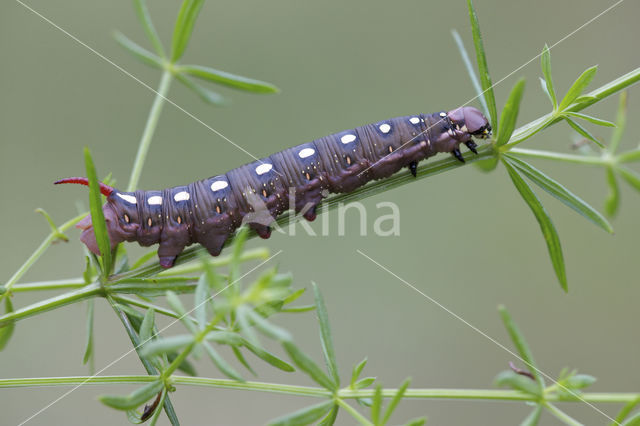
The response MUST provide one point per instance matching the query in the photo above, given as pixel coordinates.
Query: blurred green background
(467, 239)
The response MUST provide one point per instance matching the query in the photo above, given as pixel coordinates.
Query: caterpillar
(209, 211)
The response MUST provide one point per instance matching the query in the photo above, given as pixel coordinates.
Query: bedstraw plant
(227, 311)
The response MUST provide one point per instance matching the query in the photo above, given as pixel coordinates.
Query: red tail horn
(106, 190)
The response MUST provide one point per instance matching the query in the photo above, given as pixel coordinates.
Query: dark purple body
(208, 211)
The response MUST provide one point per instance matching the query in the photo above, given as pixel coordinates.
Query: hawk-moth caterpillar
(209, 210)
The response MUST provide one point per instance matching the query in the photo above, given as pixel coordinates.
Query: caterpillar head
(121, 217)
(471, 121)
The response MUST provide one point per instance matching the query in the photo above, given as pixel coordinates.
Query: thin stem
(151, 370)
(149, 129)
(561, 415)
(36, 254)
(466, 394)
(356, 415)
(49, 285)
(549, 155)
(86, 292)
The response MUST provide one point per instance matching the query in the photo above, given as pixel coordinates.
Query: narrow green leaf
(357, 370)
(134, 399)
(134, 316)
(269, 358)
(304, 416)
(533, 418)
(54, 228)
(395, 400)
(138, 51)
(147, 24)
(560, 192)
(242, 318)
(625, 411)
(242, 360)
(365, 382)
(307, 365)
(376, 407)
(613, 199)
(201, 296)
(146, 328)
(6, 331)
(176, 305)
(225, 337)
(487, 165)
(420, 421)
(630, 176)
(88, 352)
(580, 381)
(518, 382)
(205, 94)
(228, 79)
(295, 295)
(621, 123)
(546, 225)
(144, 259)
(510, 113)
(628, 157)
(578, 87)
(185, 366)
(166, 344)
(545, 61)
(267, 328)
(325, 335)
(134, 416)
(590, 119)
(521, 345)
(222, 365)
(632, 421)
(543, 85)
(483, 68)
(97, 215)
(472, 73)
(184, 27)
(330, 418)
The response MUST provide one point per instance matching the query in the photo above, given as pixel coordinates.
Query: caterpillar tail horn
(106, 190)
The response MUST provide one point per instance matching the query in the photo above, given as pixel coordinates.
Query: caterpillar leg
(263, 231)
(413, 167)
(310, 213)
(472, 146)
(456, 153)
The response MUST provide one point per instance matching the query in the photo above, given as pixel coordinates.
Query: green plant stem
(36, 254)
(465, 394)
(86, 292)
(49, 285)
(151, 370)
(149, 129)
(561, 415)
(356, 415)
(592, 97)
(569, 158)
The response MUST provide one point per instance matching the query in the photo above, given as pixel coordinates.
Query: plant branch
(465, 394)
(149, 129)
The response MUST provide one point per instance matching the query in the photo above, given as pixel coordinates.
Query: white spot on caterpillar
(384, 128)
(155, 200)
(414, 120)
(128, 198)
(348, 138)
(181, 196)
(307, 152)
(263, 168)
(218, 185)
(443, 114)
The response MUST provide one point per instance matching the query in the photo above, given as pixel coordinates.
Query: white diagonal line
(142, 343)
(494, 341)
(127, 73)
(503, 79)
